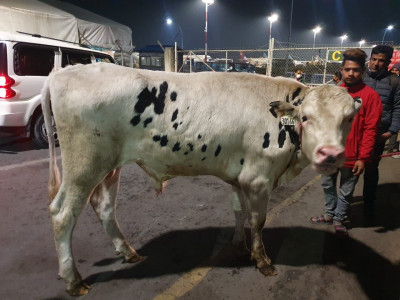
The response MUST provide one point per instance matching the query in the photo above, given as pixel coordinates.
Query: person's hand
(385, 136)
(358, 168)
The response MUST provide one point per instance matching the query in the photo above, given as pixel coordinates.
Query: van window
(33, 60)
(102, 58)
(73, 57)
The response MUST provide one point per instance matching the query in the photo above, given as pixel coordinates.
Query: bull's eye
(350, 120)
(304, 118)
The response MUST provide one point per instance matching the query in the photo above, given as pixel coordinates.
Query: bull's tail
(54, 172)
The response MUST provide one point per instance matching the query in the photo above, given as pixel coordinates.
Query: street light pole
(208, 3)
(271, 19)
(315, 30)
(390, 27)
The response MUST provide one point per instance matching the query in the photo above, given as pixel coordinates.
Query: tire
(39, 133)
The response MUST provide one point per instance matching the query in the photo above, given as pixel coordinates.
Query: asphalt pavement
(185, 236)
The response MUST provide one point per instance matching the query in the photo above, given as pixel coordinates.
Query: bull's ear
(280, 108)
(357, 103)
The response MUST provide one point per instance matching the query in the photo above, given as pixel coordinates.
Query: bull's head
(323, 121)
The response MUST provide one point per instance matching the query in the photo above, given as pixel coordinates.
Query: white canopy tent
(64, 21)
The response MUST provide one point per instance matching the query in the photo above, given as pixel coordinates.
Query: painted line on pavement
(25, 164)
(189, 280)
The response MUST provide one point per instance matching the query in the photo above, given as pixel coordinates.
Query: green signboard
(335, 55)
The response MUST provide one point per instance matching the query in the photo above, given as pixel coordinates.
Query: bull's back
(171, 124)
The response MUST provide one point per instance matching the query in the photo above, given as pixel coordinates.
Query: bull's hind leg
(103, 201)
(65, 209)
(239, 208)
(257, 191)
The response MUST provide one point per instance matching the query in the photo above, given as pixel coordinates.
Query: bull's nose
(330, 154)
(330, 159)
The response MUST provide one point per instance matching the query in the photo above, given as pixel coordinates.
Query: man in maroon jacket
(359, 143)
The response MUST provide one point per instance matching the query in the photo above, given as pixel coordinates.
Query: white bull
(227, 125)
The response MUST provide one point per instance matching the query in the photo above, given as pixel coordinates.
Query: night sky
(243, 24)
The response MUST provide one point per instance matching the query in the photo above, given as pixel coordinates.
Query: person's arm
(373, 113)
(395, 125)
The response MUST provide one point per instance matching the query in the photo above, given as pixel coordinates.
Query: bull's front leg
(257, 191)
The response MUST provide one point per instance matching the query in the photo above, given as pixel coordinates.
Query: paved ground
(185, 236)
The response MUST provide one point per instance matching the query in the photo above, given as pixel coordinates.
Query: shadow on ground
(181, 251)
(14, 145)
(385, 214)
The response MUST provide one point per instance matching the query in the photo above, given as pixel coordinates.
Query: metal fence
(317, 63)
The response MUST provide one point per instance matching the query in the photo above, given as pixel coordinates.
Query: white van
(25, 61)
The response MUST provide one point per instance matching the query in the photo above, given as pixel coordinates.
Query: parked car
(25, 62)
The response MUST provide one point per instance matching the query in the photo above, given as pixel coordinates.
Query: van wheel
(39, 133)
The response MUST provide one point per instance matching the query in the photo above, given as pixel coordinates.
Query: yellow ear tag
(287, 120)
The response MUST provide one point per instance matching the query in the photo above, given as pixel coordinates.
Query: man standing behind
(359, 143)
(388, 87)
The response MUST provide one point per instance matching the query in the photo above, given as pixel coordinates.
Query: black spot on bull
(294, 137)
(287, 99)
(135, 120)
(266, 140)
(175, 126)
(296, 93)
(219, 148)
(204, 148)
(190, 145)
(173, 96)
(147, 121)
(174, 115)
(281, 138)
(242, 161)
(162, 139)
(146, 98)
(199, 136)
(176, 147)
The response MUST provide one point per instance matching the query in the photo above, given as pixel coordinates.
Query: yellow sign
(335, 55)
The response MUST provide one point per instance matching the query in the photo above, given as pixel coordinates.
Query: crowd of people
(376, 125)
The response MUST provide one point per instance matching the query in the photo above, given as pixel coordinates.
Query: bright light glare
(390, 27)
(362, 42)
(169, 21)
(273, 18)
(317, 29)
(344, 36)
(208, 1)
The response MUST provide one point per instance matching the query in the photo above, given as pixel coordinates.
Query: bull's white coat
(217, 125)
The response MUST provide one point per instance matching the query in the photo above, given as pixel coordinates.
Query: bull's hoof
(79, 289)
(268, 270)
(134, 259)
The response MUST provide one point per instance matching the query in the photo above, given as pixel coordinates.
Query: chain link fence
(317, 63)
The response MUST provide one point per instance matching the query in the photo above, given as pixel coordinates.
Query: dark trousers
(371, 174)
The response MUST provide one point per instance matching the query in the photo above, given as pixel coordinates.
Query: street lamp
(169, 22)
(315, 30)
(208, 3)
(390, 27)
(343, 37)
(271, 19)
(362, 42)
